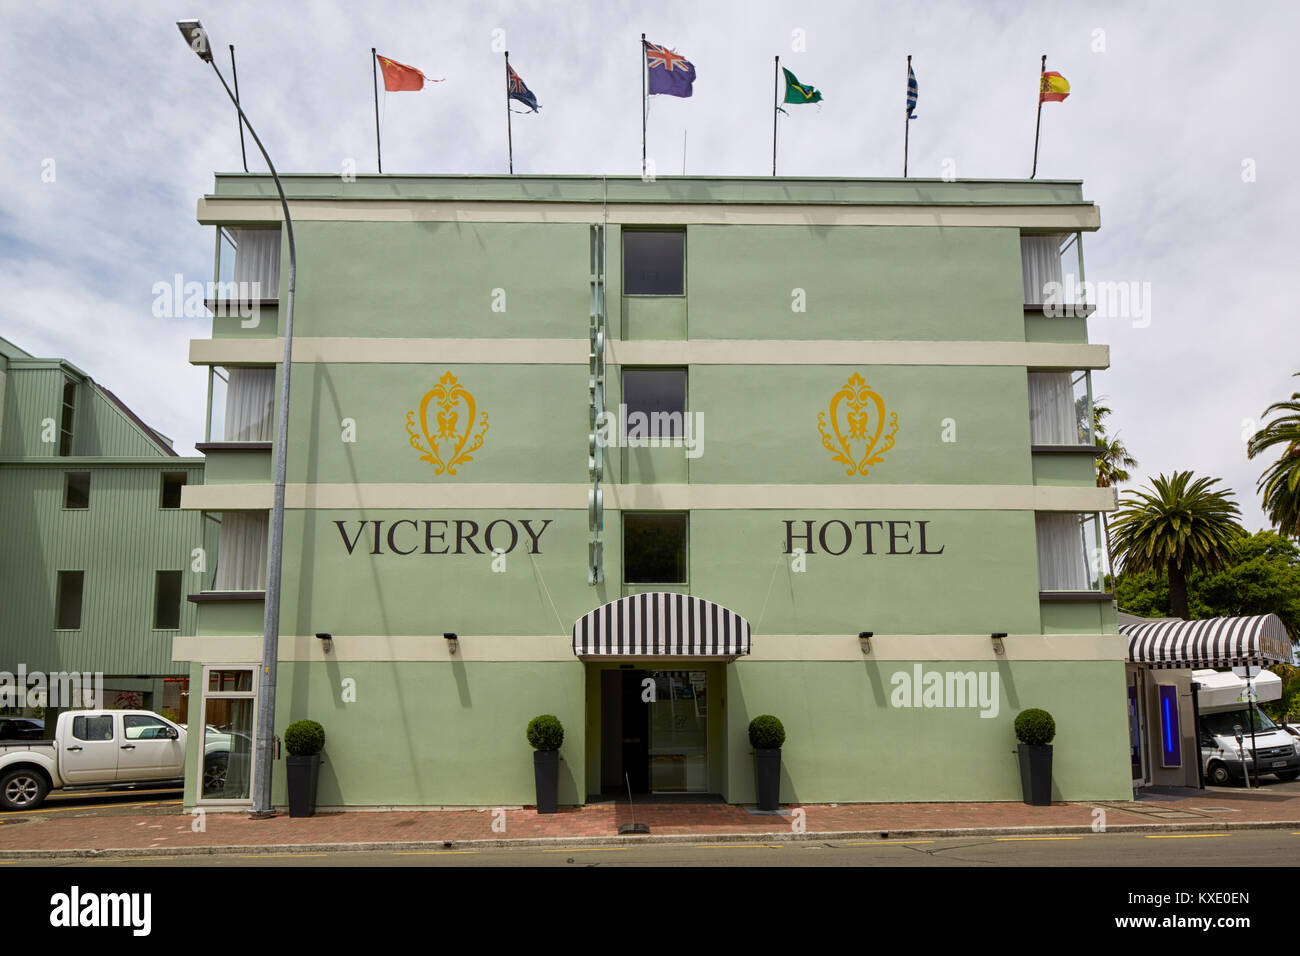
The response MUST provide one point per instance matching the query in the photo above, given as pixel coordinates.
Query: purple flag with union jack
(667, 72)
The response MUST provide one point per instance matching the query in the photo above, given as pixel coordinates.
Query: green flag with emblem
(796, 92)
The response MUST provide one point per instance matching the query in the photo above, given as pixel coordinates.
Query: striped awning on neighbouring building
(1214, 642)
(660, 624)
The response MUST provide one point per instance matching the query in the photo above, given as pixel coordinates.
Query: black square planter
(767, 771)
(301, 774)
(546, 778)
(1036, 774)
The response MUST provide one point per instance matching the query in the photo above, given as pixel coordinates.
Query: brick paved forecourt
(132, 830)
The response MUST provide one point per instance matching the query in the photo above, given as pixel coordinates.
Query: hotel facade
(657, 457)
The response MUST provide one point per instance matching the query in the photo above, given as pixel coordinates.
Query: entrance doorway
(654, 731)
(1136, 726)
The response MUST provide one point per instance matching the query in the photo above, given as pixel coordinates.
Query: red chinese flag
(399, 76)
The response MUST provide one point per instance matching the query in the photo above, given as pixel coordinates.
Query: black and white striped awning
(661, 625)
(1214, 642)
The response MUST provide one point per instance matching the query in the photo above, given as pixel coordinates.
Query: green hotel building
(657, 457)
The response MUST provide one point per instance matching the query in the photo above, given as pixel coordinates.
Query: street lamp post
(197, 38)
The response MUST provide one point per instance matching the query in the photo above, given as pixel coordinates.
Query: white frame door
(202, 726)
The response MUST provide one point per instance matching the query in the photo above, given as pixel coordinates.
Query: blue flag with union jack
(667, 72)
(516, 90)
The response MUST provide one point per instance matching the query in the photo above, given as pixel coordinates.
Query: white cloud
(1157, 127)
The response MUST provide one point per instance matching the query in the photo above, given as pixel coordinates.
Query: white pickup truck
(98, 749)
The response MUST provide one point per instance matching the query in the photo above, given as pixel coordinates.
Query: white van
(1224, 711)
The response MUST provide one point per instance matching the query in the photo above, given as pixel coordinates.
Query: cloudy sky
(1177, 125)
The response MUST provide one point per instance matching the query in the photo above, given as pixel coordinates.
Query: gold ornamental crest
(857, 416)
(447, 445)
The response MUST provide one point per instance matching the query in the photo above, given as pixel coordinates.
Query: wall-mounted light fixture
(453, 642)
(326, 641)
(864, 640)
(998, 647)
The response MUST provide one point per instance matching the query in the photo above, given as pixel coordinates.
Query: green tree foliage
(1280, 483)
(1177, 526)
(1260, 575)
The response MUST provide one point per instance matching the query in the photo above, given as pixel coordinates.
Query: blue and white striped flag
(911, 92)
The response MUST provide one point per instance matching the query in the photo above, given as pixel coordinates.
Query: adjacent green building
(657, 457)
(98, 554)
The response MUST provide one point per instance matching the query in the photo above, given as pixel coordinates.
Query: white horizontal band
(512, 351)
(669, 497)
(555, 647)
(1065, 217)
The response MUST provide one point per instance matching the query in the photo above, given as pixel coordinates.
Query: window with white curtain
(1052, 414)
(257, 259)
(250, 402)
(241, 551)
(1040, 263)
(1071, 553)
(1060, 408)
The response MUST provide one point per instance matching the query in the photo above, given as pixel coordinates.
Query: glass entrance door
(1135, 726)
(679, 732)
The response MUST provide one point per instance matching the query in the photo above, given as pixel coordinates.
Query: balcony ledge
(1061, 310)
(206, 597)
(207, 446)
(1072, 596)
(1095, 450)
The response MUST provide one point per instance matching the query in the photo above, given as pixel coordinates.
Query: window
(1040, 264)
(257, 260)
(65, 422)
(76, 490)
(1060, 408)
(140, 727)
(172, 483)
(67, 600)
(241, 551)
(250, 399)
(1071, 553)
(93, 728)
(658, 397)
(654, 262)
(654, 548)
(167, 600)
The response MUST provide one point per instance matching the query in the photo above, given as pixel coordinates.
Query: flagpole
(907, 116)
(643, 105)
(510, 142)
(374, 75)
(1038, 123)
(776, 73)
(235, 74)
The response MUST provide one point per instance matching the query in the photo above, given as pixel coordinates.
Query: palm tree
(1113, 464)
(1177, 526)
(1280, 483)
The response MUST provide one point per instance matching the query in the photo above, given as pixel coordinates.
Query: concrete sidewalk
(143, 832)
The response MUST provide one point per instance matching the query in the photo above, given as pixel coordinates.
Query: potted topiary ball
(766, 735)
(546, 734)
(304, 740)
(1035, 730)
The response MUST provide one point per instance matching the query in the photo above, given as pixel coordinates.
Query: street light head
(196, 37)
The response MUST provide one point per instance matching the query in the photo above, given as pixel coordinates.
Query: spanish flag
(1053, 88)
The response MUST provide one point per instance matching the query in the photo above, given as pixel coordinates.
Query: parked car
(21, 728)
(96, 749)
(1275, 752)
